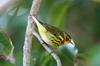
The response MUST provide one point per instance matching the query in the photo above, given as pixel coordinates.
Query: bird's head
(68, 40)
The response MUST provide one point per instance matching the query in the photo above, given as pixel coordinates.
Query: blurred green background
(79, 18)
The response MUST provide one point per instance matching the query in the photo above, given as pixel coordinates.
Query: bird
(52, 35)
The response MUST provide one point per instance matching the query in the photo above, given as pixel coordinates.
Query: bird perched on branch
(52, 35)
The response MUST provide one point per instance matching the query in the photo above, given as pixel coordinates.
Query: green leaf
(93, 54)
(98, 1)
(17, 10)
(69, 51)
(6, 47)
(81, 56)
(57, 13)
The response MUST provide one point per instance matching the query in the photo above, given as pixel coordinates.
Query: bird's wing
(54, 30)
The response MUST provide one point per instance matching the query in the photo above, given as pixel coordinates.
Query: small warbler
(52, 35)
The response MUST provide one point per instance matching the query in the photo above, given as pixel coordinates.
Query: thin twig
(75, 60)
(48, 49)
(75, 64)
(28, 35)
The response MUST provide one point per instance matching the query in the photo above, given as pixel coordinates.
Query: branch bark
(46, 46)
(28, 35)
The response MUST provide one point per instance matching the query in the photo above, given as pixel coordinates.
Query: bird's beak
(72, 42)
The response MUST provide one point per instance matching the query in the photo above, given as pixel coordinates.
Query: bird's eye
(68, 37)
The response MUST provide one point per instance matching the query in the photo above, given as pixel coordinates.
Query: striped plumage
(52, 35)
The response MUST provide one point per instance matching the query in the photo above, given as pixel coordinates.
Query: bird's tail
(38, 24)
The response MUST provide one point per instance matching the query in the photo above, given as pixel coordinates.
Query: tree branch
(46, 47)
(28, 35)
